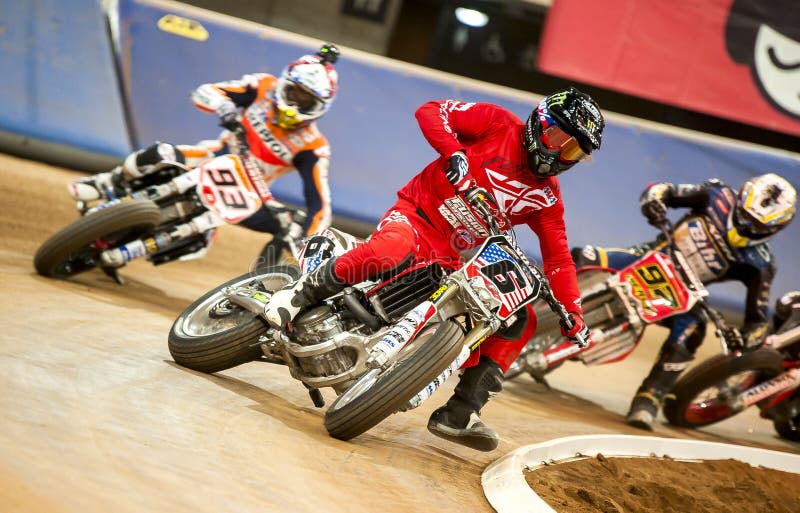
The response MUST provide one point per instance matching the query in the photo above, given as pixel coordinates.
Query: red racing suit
(277, 151)
(429, 221)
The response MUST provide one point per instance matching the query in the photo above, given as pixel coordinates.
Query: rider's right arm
(677, 196)
(449, 125)
(221, 96)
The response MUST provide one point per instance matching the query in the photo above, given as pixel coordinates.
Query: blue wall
(58, 78)
(376, 144)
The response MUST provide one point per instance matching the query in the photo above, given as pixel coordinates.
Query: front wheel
(213, 334)
(76, 247)
(378, 394)
(707, 393)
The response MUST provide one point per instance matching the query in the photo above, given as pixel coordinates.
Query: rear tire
(213, 334)
(72, 249)
(355, 411)
(701, 397)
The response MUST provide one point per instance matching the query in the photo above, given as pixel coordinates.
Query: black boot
(310, 289)
(644, 408)
(458, 420)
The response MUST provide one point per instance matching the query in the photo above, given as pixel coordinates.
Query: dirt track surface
(95, 416)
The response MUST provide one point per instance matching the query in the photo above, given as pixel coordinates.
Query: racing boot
(650, 396)
(114, 183)
(459, 419)
(108, 185)
(310, 289)
(643, 410)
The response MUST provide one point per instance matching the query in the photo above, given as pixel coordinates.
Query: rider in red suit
(488, 146)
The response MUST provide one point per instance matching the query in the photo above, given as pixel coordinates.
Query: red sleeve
(548, 225)
(448, 125)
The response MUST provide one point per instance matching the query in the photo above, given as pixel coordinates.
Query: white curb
(507, 491)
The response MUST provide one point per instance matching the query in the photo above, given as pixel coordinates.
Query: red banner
(736, 59)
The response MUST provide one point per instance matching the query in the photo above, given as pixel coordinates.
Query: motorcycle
(618, 305)
(722, 386)
(383, 347)
(170, 214)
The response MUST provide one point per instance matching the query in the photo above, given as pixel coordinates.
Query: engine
(314, 327)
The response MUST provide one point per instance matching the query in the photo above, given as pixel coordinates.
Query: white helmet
(306, 88)
(765, 205)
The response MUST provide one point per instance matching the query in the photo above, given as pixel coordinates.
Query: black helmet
(563, 129)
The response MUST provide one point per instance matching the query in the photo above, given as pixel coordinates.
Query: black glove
(655, 211)
(733, 338)
(458, 173)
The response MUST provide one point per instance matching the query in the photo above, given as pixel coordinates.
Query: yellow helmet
(765, 205)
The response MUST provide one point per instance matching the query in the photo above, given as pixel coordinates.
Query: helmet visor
(300, 97)
(554, 138)
(749, 225)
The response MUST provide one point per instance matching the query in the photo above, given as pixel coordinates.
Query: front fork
(473, 339)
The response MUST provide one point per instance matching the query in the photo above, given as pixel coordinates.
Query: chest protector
(703, 246)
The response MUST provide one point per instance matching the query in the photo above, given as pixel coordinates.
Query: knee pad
(688, 331)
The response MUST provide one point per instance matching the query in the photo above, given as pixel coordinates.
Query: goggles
(749, 225)
(300, 97)
(555, 139)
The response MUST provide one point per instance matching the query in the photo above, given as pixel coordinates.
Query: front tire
(213, 334)
(76, 247)
(703, 396)
(376, 395)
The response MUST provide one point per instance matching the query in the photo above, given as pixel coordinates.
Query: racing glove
(733, 338)
(753, 334)
(579, 330)
(655, 211)
(229, 117)
(458, 173)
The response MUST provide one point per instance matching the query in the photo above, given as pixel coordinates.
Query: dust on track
(95, 416)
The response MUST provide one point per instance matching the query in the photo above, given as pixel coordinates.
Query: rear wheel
(706, 394)
(76, 247)
(213, 334)
(377, 394)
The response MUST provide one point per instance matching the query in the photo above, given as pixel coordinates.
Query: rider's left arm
(312, 166)
(549, 226)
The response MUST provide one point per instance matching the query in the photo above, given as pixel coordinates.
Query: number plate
(503, 273)
(225, 189)
(656, 286)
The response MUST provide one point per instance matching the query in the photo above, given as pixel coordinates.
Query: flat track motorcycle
(725, 385)
(170, 214)
(383, 347)
(618, 305)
